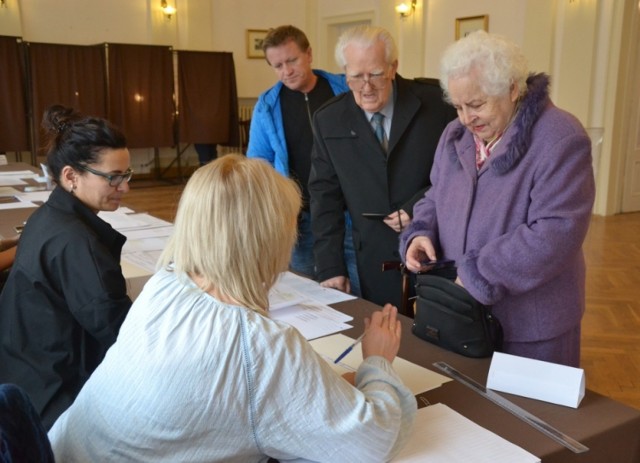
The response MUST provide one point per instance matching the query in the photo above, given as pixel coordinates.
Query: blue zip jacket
(266, 135)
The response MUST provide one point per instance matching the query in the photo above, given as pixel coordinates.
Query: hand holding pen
(381, 336)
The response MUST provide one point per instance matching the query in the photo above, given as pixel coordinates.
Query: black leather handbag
(448, 316)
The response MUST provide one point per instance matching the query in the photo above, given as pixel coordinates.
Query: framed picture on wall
(464, 26)
(254, 43)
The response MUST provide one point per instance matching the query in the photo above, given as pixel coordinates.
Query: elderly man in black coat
(373, 152)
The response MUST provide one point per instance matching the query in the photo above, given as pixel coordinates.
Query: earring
(72, 189)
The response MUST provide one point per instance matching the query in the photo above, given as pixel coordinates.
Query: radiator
(245, 112)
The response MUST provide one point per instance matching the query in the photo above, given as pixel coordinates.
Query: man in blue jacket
(281, 131)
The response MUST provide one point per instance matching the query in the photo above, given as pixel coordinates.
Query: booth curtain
(14, 119)
(208, 100)
(70, 75)
(141, 93)
(131, 85)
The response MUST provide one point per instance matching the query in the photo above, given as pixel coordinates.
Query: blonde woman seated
(200, 372)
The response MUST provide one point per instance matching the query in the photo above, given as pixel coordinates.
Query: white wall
(573, 40)
(505, 18)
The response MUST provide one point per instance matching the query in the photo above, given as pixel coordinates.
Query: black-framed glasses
(376, 81)
(114, 179)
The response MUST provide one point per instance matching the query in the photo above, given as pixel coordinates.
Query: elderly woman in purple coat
(511, 199)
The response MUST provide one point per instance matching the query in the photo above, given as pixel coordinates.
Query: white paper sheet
(145, 244)
(131, 270)
(15, 177)
(418, 379)
(145, 260)
(133, 234)
(17, 205)
(313, 320)
(122, 221)
(442, 435)
(313, 290)
(282, 296)
(35, 196)
(8, 191)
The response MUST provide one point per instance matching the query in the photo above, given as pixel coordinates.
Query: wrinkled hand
(340, 283)
(398, 220)
(383, 332)
(420, 250)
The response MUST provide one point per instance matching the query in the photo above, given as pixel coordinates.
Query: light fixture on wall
(3, 4)
(167, 9)
(406, 9)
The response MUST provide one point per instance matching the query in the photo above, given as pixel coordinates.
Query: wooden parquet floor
(611, 325)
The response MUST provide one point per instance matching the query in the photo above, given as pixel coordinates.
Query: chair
(406, 307)
(22, 435)
(244, 134)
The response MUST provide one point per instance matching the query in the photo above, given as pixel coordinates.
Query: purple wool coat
(516, 228)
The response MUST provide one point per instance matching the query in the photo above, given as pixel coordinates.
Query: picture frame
(464, 26)
(254, 43)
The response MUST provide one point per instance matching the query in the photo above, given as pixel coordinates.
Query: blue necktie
(378, 128)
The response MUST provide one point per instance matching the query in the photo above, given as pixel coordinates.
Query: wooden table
(610, 429)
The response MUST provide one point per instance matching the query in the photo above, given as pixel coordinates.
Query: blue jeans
(302, 256)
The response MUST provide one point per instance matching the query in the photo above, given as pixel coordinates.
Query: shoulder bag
(448, 316)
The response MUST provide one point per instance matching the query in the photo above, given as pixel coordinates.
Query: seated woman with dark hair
(66, 297)
(201, 373)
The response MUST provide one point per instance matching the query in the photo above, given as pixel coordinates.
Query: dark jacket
(349, 168)
(63, 303)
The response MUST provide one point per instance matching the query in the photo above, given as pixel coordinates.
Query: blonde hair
(235, 227)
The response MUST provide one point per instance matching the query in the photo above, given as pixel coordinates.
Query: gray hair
(366, 36)
(497, 61)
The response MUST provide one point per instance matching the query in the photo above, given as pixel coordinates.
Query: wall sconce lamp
(167, 9)
(3, 4)
(405, 9)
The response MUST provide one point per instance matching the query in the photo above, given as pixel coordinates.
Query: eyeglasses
(114, 179)
(375, 81)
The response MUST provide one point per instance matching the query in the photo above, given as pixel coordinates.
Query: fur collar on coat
(532, 104)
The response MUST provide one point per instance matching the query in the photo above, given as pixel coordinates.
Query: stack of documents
(146, 238)
(303, 303)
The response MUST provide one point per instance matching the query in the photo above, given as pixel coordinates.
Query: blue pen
(350, 348)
